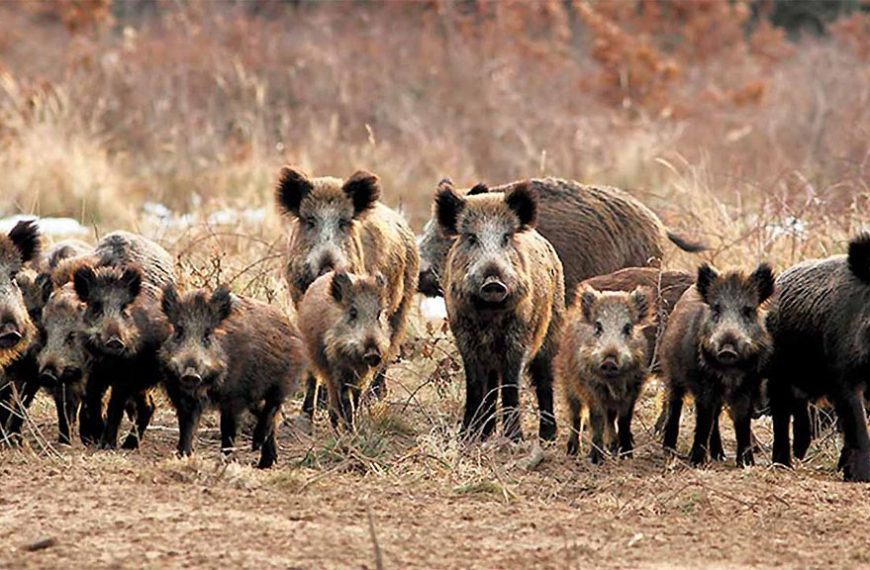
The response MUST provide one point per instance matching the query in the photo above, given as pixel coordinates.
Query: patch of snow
(433, 308)
(47, 226)
(790, 226)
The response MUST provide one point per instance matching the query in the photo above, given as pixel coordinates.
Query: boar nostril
(427, 284)
(372, 358)
(48, 376)
(115, 343)
(727, 354)
(493, 290)
(192, 378)
(9, 335)
(609, 366)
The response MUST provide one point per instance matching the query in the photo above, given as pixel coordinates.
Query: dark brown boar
(61, 361)
(36, 285)
(120, 248)
(344, 319)
(715, 348)
(820, 323)
(595, 230)
(603, 363)
(123, 330)
(17, 330)
(233, 353)
(342, 226)
(505, 299)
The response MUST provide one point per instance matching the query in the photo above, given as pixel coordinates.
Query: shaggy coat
(505, 298)
(595, 230)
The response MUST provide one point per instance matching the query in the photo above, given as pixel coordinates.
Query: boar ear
(340, 286)
(859, 257)
(46, 286)
(640, 298)
(131, 279)
(523, 200)
(169, 302)
(588, 297)
(380, 280)
(448, 205)
(480, 188)
(83, 282)
(293, 186)
(446, 183)
(25, 237)
(763, 280)
(222, 302)
(706, 276)
(364, 189)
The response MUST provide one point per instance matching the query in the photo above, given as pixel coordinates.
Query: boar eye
(71, 338)
(599, 328)
(179, 332)
(343, 224)
(716, 312)
(472, 239)
(310, 223)
(505, 240)
(748, 312)
(626, 330)
(352, 313)
(206, 336)
(97, 308)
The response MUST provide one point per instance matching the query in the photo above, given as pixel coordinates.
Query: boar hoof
(595, 456)
(697, 457)
(746, 460)
(857, 467)
(573, 445)
(547, 431)
(130, 442)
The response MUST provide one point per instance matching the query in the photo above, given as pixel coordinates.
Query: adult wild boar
(340, 225)
(603, 363)
(233, 353)
(594, 229)
(17, 330)
(715, 347)
(505, 296)
(820, 323)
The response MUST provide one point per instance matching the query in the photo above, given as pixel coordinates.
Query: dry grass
(758, 148)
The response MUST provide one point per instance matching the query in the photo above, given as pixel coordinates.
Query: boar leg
(21, 405)
(312, 394)
(610, 440)
(574, 410)
(855, 457)
(717, 452)
(597, 419)
(229, 429)
(674, 410)
(189, 412)
(510, 400)
(114, 415)
(741, 413)
(475, 384)
(626, 439)
(266, 427)
(704, 411)
(144, 412)
(781, 406)
(541, 371)
(487, 408)
(66, 403)
(92, 425)
(802, 430)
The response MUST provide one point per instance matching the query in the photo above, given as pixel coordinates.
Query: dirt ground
(404, 494)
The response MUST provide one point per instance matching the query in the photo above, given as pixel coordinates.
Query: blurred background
(743, 123)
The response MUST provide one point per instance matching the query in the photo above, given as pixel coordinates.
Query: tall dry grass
(756, 145)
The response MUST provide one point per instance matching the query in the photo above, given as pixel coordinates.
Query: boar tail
(686, 245)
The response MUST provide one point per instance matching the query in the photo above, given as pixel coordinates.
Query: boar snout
(115, 344)
(10, 335)
(428, 283)
(610, 365)
(191, 376)
(372, 357)
(48, 376)
(493, 290)
(727, 354)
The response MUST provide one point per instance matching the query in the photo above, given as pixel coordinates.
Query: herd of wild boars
(543, 278)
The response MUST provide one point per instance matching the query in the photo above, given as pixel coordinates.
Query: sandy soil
(403, 494)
